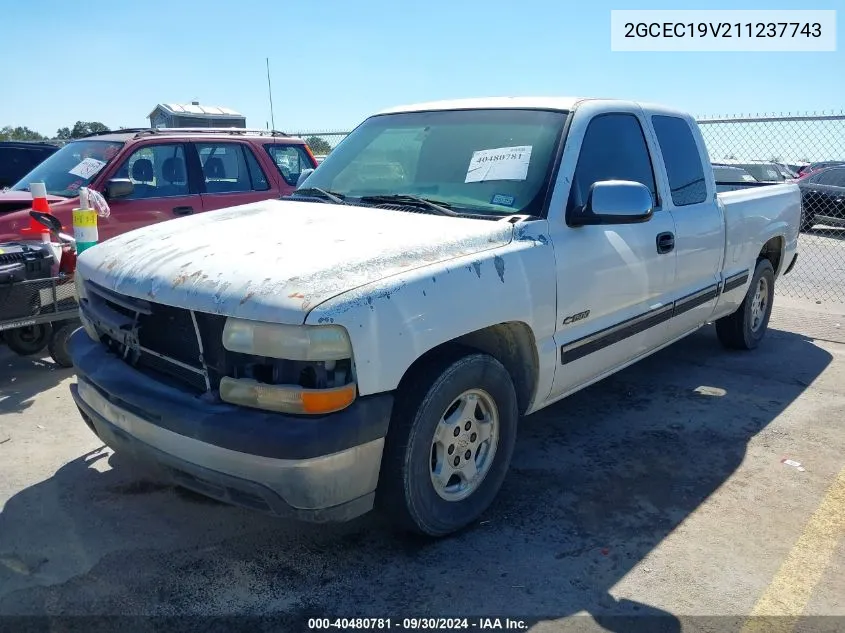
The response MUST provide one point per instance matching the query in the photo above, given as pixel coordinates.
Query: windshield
(475, 161)
(72, 167)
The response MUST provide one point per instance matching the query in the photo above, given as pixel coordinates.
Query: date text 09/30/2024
(416, 624)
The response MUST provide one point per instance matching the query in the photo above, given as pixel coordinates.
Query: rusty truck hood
(275, 260)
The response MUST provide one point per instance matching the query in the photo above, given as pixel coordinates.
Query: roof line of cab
(563, 104)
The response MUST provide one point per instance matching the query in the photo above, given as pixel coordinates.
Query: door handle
(183, 210)
(665, 243)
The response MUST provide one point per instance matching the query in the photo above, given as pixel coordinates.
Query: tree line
(79, 129)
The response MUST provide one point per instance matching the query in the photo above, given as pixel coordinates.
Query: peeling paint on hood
(275, 260)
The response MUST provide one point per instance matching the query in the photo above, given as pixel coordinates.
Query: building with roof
(195, 115)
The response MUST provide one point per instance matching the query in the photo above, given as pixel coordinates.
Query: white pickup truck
(374, 339)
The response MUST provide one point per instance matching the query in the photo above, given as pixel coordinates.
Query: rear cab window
(682, 160)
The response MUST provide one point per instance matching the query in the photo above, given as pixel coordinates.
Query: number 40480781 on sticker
(502, 163)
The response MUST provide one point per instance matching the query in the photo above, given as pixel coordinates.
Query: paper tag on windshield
(87, 168)
(502, 163)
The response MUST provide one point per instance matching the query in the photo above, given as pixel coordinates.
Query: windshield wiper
(329, 195)
(441, 208)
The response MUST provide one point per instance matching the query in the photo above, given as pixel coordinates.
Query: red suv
(152, 175)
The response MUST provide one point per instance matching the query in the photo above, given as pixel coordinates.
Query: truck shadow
(23, 378)
(598, 481)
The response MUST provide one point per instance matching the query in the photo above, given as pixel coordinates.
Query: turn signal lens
(285, 398)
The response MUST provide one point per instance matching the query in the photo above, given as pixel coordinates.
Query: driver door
(161, 190)
(614, 282)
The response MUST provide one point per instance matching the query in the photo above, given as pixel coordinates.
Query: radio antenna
(270, 91)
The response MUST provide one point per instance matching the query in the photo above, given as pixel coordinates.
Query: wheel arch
(511, 343)
(773, 251)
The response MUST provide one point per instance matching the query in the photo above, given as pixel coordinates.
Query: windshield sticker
(502, 199)
(502, 163)
(87, 168)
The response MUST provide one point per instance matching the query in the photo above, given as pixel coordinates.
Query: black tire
(58, 346)
(737, 331)
(29, 340)
(406, 491)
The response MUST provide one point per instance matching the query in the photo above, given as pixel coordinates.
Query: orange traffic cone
(35, 229)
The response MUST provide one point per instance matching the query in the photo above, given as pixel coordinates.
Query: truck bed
(755, 211)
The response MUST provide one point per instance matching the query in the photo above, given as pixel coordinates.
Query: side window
(614, 148)
(838, 177)
(225, 169)
(834, 177)
(256, 175)
(290, 160)
(8, 168)
(156, 171)
(682, 160)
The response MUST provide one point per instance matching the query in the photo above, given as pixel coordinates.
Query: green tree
(81, 128)
(318, 145)
(19, 133)
(63, 134)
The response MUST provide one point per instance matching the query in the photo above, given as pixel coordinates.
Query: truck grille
(159, 340)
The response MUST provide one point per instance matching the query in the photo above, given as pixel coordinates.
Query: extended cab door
(699, 225)
(613, 281)
(230, 175)
(161, 189)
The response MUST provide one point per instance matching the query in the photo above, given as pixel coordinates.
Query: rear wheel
(449, 444)
(745, 328)
(29, 340)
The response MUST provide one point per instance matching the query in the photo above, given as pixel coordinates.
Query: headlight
(289, 342)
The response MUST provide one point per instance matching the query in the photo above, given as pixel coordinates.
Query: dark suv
(152, 175)
(18, 158)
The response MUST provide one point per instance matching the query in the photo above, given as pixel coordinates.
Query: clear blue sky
(336, 61)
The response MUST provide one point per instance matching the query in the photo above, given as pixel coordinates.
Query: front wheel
(745, 328)
(449, 444)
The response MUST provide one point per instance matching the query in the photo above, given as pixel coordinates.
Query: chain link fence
(770, 148)
(776, 148)
(322, 142)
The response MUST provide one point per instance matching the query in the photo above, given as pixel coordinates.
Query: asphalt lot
(660, 491)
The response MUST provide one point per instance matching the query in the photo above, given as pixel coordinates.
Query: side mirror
(119, 188)
(615, 202)
(303, 176)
